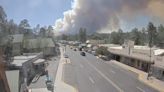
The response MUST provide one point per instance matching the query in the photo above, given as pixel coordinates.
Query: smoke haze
(106, 15)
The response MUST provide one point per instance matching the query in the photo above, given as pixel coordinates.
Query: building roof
(159, 52)
(19, 60)
(39, 90)
(17, 38)
(109, 45)
(40, 43)
(13, 80)
(24, 57)
(39, 61)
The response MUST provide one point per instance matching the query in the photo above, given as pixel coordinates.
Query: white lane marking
(91, 80)
(113, 71)
(81, 66)
(105, 77)
(141, 89)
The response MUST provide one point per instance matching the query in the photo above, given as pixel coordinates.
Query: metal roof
(19, 60)
(13, 80)
(17, 38)
(39, 61)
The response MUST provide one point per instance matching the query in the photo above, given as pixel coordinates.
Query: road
(90, 74)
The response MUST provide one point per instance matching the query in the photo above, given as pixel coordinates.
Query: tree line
(81, 36)
(152, 36)
(9, 27)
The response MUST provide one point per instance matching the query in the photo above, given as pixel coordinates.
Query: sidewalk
(60, 86)
(142, 76)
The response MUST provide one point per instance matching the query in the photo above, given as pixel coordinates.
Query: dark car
(80, 49)
(65, 56)
(83, 53)
(74, 49)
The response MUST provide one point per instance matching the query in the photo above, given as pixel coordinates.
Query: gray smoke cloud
(105, 15)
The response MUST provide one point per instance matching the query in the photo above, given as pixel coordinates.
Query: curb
(62, 86)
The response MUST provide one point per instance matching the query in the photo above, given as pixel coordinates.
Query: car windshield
(81, 45)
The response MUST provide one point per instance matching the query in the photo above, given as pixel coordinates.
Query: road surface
(90, 74)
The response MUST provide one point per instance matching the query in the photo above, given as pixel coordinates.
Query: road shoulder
(60, 85)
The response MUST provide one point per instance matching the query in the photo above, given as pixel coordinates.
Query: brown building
(4, 87)
(135, 56)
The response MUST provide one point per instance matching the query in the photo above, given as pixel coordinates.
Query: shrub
(102, 51)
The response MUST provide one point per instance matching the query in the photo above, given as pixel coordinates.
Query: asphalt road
(90, 74)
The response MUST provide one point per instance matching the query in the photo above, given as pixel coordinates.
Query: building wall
(142, 52)
(96, 42)
(17, 49)
(158, 67)
(141, 65)
(49, 51)
(4, 87)
(158, 72)
(28, 71)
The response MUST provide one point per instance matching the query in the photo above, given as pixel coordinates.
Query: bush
(102, 51)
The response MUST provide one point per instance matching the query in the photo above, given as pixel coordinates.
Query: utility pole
(150, 46)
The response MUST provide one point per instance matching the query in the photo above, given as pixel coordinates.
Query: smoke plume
(105, 15)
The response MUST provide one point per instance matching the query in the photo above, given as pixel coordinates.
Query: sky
(104, 16)
(43, 12)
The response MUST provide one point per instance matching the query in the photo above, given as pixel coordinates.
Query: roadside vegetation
(139, 36)
(102, 51)
(9, 27)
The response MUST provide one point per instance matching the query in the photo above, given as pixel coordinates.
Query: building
(140, 57)
(95, 42)
(17, 44)
(21, 72)
(4, 87)
(45, 45)
(158, 67)
(135, 56)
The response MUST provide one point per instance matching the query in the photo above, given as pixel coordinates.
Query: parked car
(83, 53)
(90, 51)
(80, 49)
(94, 53)
(65, 56)
(106, 58)
(74, 49)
